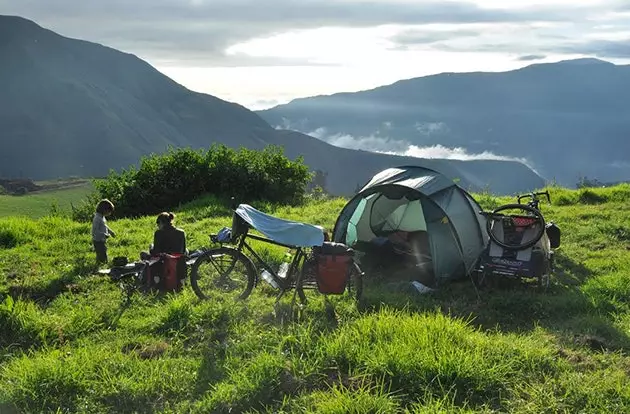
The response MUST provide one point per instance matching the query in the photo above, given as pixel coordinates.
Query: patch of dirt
(593, 342)
(147, 351)
(23, 186)
(19, 186)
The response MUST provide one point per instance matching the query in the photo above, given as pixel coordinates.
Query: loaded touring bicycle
(521, 244)
(316, 263)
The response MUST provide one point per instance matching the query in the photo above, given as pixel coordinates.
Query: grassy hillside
(70, 344)
(40, 203)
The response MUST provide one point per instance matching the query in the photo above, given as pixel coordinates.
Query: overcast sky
(259, 53)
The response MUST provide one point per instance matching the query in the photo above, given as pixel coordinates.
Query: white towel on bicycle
(283, 231)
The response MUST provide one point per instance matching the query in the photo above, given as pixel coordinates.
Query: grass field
(70, 344)
(40, 203)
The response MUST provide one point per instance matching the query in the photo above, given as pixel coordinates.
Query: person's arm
(156, 243)
(184, 250)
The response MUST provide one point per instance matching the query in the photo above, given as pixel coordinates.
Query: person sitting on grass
(167, 238)
(101, 231)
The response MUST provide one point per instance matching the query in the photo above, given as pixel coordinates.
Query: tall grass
(69, 342)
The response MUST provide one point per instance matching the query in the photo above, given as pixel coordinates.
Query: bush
(163, 182)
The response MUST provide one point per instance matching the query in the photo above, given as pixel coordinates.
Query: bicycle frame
(284, 283)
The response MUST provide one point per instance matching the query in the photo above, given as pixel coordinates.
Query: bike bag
(553, 232)
(166, 272)
(334, 263)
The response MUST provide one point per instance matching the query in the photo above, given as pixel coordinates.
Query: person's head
(105, 207)
(164, 219)
(326, 234)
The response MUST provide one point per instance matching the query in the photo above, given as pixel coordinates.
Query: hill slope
(71, 107)
(568, 118)
(70, 343)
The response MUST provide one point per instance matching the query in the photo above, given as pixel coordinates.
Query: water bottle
(269, 279)
(284, 269)
(284, 266)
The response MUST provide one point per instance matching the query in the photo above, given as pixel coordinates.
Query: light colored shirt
(100, 231)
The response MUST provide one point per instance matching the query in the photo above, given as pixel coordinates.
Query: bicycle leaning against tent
(328, 267)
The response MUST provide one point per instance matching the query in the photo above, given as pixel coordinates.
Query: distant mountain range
(568, 119)
(71, 107)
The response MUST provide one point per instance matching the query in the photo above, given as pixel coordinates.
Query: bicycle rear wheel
(223, 270)
(534, 216)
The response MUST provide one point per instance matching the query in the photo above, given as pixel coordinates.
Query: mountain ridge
(572, 108)
(74, 107)
(403, 81)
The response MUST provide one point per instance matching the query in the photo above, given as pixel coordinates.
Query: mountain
(569, 119)
(72, 107)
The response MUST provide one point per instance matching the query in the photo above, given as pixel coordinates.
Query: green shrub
(163, 182)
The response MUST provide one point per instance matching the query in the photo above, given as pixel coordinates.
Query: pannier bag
(553, 232)
(334, 262)
(166, 272)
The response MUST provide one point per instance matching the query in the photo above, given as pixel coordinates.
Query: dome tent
(433, 224)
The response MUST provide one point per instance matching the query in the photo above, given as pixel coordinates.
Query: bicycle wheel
(355, 283)
(224, 270)
(535, 215)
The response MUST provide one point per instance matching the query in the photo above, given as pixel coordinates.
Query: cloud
(457, 153)
(260, 104)
(414, 37)
(619, 49)
(198, 32)
(529, 58)
(600, 30)
(377, 143)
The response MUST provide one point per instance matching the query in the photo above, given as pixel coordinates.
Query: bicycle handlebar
(534, 196)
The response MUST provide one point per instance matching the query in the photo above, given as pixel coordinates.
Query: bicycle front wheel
(355, 283)
(223, 270)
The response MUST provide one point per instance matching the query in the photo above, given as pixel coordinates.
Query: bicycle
(304, 271)
(520, 245)
(133, 276)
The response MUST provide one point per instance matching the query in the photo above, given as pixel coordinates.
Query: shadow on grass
(518, 306)
(45, 291)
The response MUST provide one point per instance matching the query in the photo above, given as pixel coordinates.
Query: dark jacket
(170, 240)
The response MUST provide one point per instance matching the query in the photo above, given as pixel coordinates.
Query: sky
(266, 52)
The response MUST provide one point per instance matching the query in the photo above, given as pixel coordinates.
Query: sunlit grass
(70, 343)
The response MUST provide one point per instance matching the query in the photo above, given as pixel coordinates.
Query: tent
(415, 220)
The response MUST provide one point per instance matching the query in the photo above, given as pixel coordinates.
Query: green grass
(39, 204)
(69, 342)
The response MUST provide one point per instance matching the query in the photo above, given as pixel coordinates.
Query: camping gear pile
(161, 273)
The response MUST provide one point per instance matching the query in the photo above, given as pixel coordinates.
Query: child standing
(100, 230)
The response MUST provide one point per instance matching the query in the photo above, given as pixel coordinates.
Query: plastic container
(284, 269)
(269, 279)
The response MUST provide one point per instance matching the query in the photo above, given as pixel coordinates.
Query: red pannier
(166, 272)
(334, 262)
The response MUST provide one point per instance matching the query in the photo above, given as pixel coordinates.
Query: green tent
(423, 222)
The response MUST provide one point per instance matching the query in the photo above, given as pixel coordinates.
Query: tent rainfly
(429, 224)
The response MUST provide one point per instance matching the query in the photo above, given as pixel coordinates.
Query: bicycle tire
(229, 251)
(356, 282)
(538, 215)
